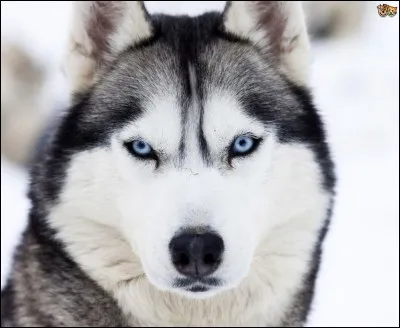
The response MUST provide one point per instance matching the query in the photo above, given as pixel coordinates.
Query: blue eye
(243, 145)
(141, 149)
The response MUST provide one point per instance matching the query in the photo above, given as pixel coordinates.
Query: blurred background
(355, 80)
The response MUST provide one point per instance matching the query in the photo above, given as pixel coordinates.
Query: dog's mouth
(201, 285)
(198, 289)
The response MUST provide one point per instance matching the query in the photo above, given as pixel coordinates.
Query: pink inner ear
(101, 23)
(272, 20)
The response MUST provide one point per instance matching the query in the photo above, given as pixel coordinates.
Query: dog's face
(193, 166)
(194, 143)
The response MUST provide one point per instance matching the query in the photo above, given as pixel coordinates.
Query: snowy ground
(356, 84)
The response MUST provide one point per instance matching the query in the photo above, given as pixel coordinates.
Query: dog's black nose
(196, 255)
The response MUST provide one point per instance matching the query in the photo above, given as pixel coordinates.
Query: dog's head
(191, 140)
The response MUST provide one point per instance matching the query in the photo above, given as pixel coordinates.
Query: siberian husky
(190, 183)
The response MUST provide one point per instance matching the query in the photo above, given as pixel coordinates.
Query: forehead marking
(194, 146)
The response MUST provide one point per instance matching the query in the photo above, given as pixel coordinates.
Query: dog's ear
(101, 30)
(277, 28)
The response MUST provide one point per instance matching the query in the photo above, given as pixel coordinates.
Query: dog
(190, 183)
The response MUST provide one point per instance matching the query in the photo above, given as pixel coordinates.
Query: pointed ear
(101, 30)
(277, 28)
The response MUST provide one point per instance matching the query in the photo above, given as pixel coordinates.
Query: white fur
(132, 26)
(243, 18)
(117, 216)
(296, 56)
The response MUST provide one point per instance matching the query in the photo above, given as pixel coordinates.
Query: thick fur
(96, 249)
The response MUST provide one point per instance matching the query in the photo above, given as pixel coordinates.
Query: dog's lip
(197, 284)
(198, 288)
(185, 282)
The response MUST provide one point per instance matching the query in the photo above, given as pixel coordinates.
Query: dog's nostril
(209, 259)
(183, 259)
(196, 255)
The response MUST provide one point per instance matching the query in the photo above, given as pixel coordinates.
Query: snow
(356, 85)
